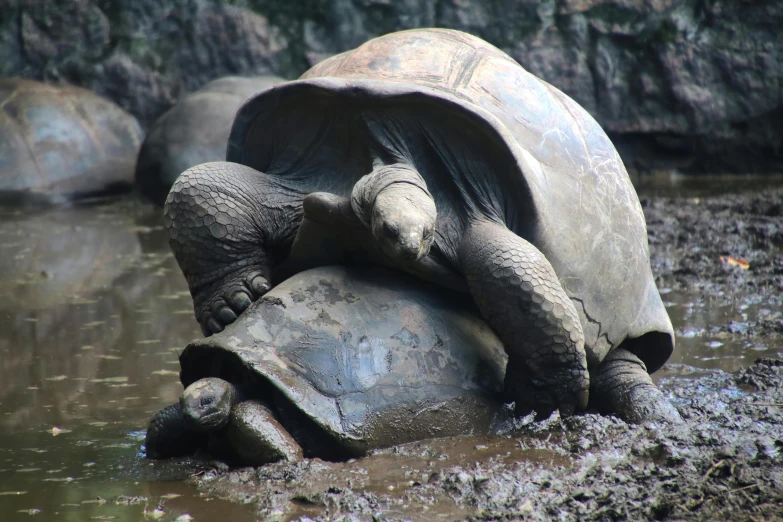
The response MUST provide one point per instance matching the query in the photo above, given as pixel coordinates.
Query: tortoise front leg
(170, 435)
(329, 234)
(256, 437)
(517, 291)
(621, 386)
(226, 222)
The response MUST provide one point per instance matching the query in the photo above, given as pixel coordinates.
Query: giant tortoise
(61, 142)
(465, 167)
(331, 363)
(194, 131)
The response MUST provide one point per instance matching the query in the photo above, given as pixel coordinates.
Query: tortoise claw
(259, 285)
(214, 325)
(239, 301)
(223, 302)
(226, 315)
(544, 394)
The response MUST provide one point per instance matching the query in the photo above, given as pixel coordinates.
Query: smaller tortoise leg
(224, 221)
(169, 435)
(621, 386)
(517, 291)
(256, 437)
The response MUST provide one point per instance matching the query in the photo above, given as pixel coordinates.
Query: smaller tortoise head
(207, 403)
(403, 222)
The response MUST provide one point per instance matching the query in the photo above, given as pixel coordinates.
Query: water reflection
(710, 333)
(86, 316)
(93, 311)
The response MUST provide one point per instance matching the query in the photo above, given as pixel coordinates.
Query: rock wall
(693, 85)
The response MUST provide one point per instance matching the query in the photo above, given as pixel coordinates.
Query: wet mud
(718, 260)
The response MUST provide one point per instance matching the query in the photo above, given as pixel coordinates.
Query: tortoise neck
(397, 177)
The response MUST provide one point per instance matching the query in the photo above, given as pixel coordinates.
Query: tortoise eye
(206, 401)
(390, 230)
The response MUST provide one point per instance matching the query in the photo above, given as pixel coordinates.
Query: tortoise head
(403, 222)
(206, 404)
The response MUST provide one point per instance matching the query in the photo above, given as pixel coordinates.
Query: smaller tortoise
(58, 143)
(194, 131)
(332, 363)
(337, 361)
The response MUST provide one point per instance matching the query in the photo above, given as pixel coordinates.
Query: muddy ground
(725, 462)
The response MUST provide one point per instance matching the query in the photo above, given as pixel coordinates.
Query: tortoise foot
(545, 391)
(169, 435)
(622, 387)
(222, 218)
(220, 303)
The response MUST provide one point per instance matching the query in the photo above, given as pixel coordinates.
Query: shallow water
(697, 349)
(93, 312)
(672, 184)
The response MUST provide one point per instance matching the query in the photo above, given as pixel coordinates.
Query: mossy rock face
(192, 132)
(60, 143)
(703, 74)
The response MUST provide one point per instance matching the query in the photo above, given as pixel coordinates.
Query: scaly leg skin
(224, 220)
(517, 291)
(621, 386)
(170, 435)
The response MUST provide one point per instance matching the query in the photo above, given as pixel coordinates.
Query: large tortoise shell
(489, 138)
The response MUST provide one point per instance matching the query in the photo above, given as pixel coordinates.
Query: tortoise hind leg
(517, 291)
(621, 386)
(168, 435)
(224, 220)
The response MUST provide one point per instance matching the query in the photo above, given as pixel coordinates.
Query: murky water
(93, 311)
(669, 184)
(697, 348)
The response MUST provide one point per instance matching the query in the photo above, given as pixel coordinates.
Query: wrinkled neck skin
(393, 201)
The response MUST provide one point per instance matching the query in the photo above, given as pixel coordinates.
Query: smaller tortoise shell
(363, 357)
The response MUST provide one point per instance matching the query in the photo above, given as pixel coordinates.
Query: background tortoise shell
(58, 142)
